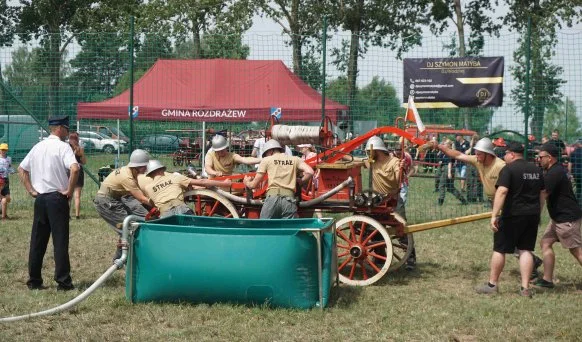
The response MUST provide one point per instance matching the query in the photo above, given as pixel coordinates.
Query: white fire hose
(294, 135)
(302, 204)
(117, 264)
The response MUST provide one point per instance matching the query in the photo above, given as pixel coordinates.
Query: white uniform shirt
(259, 144)
(48, 162)
(206, 158)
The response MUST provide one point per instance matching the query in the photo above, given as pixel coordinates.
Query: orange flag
(412, 115)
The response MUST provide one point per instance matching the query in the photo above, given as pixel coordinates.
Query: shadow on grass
(111, 282)
(427, 270)
(344, 296)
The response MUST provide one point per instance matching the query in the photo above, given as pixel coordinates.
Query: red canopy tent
(215, 90)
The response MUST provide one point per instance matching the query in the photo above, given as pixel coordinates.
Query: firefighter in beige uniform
(484, 160)
(112, 201)
(220, 162)
(282, 181)
(166, 190)
(385, 168)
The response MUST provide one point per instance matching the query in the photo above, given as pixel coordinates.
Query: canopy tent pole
(118, 146)
(203, 146)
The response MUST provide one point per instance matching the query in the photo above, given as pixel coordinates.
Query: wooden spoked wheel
(209, 203)
(177, 159)
(401, 246)
(364, 250)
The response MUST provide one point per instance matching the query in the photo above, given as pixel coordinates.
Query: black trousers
(51, 216)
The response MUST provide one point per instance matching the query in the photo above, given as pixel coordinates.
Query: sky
(568, 52)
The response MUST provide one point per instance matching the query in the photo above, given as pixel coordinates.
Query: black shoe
(534, 275)
(410, 264)
(541, 282)
(441, 201)
(36, 287)
(65, 287)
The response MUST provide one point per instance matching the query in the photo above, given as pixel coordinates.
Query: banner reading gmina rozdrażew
(454, 82)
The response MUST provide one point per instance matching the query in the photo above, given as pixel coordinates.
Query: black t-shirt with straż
(524, 181)
(562, 204)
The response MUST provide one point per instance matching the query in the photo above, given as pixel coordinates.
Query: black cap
(59, 121)
(551, 149)
(515, 147)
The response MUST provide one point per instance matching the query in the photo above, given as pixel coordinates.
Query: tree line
(214, 29)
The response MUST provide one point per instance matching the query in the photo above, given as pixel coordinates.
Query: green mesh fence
(89, 81)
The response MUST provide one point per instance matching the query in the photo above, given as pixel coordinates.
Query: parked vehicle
(105, 130)
(160, 143)
(20, 132)
(101, 142)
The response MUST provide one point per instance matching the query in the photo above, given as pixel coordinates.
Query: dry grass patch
(435, 302)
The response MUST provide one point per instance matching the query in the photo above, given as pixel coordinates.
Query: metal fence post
(323, 67)
(130, 109)
(527, 85)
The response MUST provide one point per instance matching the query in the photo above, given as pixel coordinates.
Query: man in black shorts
(518, 192)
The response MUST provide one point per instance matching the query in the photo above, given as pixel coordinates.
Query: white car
(101, 142)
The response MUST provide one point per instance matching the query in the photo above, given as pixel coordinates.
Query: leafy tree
(300, 21)
(190, 20)
(7, 31)
(51, 22)
(103, 59)
(563, 118)
(471, 23)
(311, 68)
(392, 24)
(378, 100)
(98, 66)
(375, 101)
(124, 81)
(545, 82)
(473, 17)
(7, 28)
(480, 117)
(153, 48)
(56, 23)
(217, 45)
(25, 79)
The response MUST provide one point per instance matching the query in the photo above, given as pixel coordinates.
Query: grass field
(435, 302)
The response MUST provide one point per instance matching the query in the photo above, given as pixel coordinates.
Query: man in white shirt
(44, 175)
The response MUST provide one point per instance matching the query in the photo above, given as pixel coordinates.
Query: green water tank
(208, 260)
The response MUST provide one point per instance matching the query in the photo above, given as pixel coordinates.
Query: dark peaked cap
(551, 149)
(59, 121)
(515, 147)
